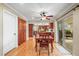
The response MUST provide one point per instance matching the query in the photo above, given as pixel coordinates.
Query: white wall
(27, 31)
(76, 32)
(56, 31)
(1, 31)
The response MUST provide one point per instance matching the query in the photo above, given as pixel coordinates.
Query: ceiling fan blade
(50, 16)
(47, 18)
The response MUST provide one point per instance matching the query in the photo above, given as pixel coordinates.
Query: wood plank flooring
(28, 49)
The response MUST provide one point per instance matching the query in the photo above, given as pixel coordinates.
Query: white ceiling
(32, 10)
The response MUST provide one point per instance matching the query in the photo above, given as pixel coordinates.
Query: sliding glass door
(68, 34)
(65, 33)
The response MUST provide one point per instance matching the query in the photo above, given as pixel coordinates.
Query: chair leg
(48, 51)
(36, 48)
(39, 50)
(51, 48)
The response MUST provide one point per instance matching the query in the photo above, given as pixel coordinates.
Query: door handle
(14, 33)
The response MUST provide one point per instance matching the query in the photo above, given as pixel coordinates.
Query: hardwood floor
(28, 49)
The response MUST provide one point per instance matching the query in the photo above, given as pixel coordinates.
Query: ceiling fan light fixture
(43, 18)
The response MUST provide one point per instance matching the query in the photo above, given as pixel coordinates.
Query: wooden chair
(52, 41)
(44, 42)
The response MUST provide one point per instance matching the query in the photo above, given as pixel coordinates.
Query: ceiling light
(43, 18)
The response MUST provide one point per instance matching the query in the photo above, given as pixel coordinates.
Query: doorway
(30, 30)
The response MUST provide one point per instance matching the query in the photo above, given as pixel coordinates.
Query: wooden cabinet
(21, 31)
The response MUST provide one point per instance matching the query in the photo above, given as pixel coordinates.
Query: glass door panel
(60, 32)
(68, 34)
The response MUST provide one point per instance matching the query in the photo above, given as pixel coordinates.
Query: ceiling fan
(44, 16)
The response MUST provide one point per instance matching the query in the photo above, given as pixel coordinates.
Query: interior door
(30, 30)
(9, 31)
(21, 31)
